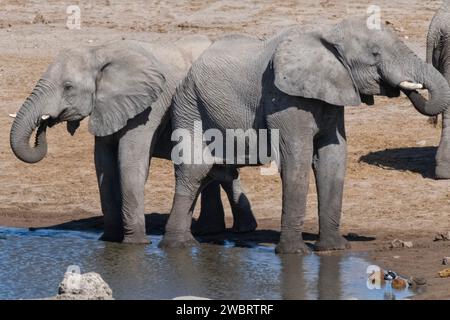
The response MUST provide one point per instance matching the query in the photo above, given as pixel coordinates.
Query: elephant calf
(126, 89)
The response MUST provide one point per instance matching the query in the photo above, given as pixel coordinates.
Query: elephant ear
(307, 65)
(129, 82)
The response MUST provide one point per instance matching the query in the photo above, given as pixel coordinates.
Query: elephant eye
(68, 87)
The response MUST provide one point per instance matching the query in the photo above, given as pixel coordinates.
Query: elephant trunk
(438, 89)
(439, 92)
(29, 118)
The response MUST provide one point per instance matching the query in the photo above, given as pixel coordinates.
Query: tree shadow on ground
(155, 225)
(416, 159)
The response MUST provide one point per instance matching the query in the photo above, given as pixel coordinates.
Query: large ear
(307, 65)
(129, 81)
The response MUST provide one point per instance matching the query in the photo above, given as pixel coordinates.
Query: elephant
(438, 54)
(295, 83)
(125, 88)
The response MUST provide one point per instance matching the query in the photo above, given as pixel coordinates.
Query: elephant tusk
(12, 115)
(410, 85)
(45, 117)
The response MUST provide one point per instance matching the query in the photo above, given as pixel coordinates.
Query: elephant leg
(134, 162)
(243, 219)
(106, 167)
(329, 164)
(296, 150)
(189, 181)
(212, 215)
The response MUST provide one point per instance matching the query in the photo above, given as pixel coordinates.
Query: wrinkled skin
(298, 84)
(125, 88)
(438, 54)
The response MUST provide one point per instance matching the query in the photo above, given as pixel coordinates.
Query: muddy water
(32, 263)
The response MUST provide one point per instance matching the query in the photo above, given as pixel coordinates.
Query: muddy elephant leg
(243, 219)
(296, 150)
(189, 181)
(330, 157)
(212, 215)
(134, 162)
(106, 167)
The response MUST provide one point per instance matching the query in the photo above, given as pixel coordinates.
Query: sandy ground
(389, 191)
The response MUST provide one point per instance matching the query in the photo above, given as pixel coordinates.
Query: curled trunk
(28, 119)
(438, 89)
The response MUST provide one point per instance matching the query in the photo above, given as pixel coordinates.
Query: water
(32, 263)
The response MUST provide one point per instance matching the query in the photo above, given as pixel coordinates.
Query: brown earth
(390, 192)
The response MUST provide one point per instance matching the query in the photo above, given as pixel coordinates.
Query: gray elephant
(126, 89)
(438, 54)
(296, 83)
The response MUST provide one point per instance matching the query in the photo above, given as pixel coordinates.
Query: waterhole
(32, 264)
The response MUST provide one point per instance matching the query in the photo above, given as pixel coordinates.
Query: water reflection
(32, 264)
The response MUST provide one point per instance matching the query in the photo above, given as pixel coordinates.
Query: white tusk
(12, 115)
(410, 85)
(45, 117)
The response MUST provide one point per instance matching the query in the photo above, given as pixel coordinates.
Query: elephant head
(111, 84)
(350, 63)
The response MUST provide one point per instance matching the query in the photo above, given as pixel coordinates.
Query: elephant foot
(204, 228)
(175, 241)
(292, 246)
(245, 224)
(330, 243)
(442, 171)
(136, 240)
(111, 237)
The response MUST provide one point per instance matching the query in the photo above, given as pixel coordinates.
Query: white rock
(421, 143)
(88, 286)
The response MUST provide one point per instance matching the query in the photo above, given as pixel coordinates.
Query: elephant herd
(137, 94)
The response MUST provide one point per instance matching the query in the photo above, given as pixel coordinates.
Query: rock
(417, 281)
(442, 236)
(446, 261)
(407, 244)
(444, 273)
(397, 243)
(399, 284)
(390, 275)
(39, 18)
(421, 143)
(88, 286)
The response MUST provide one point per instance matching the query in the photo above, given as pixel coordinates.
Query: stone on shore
(88, 286)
